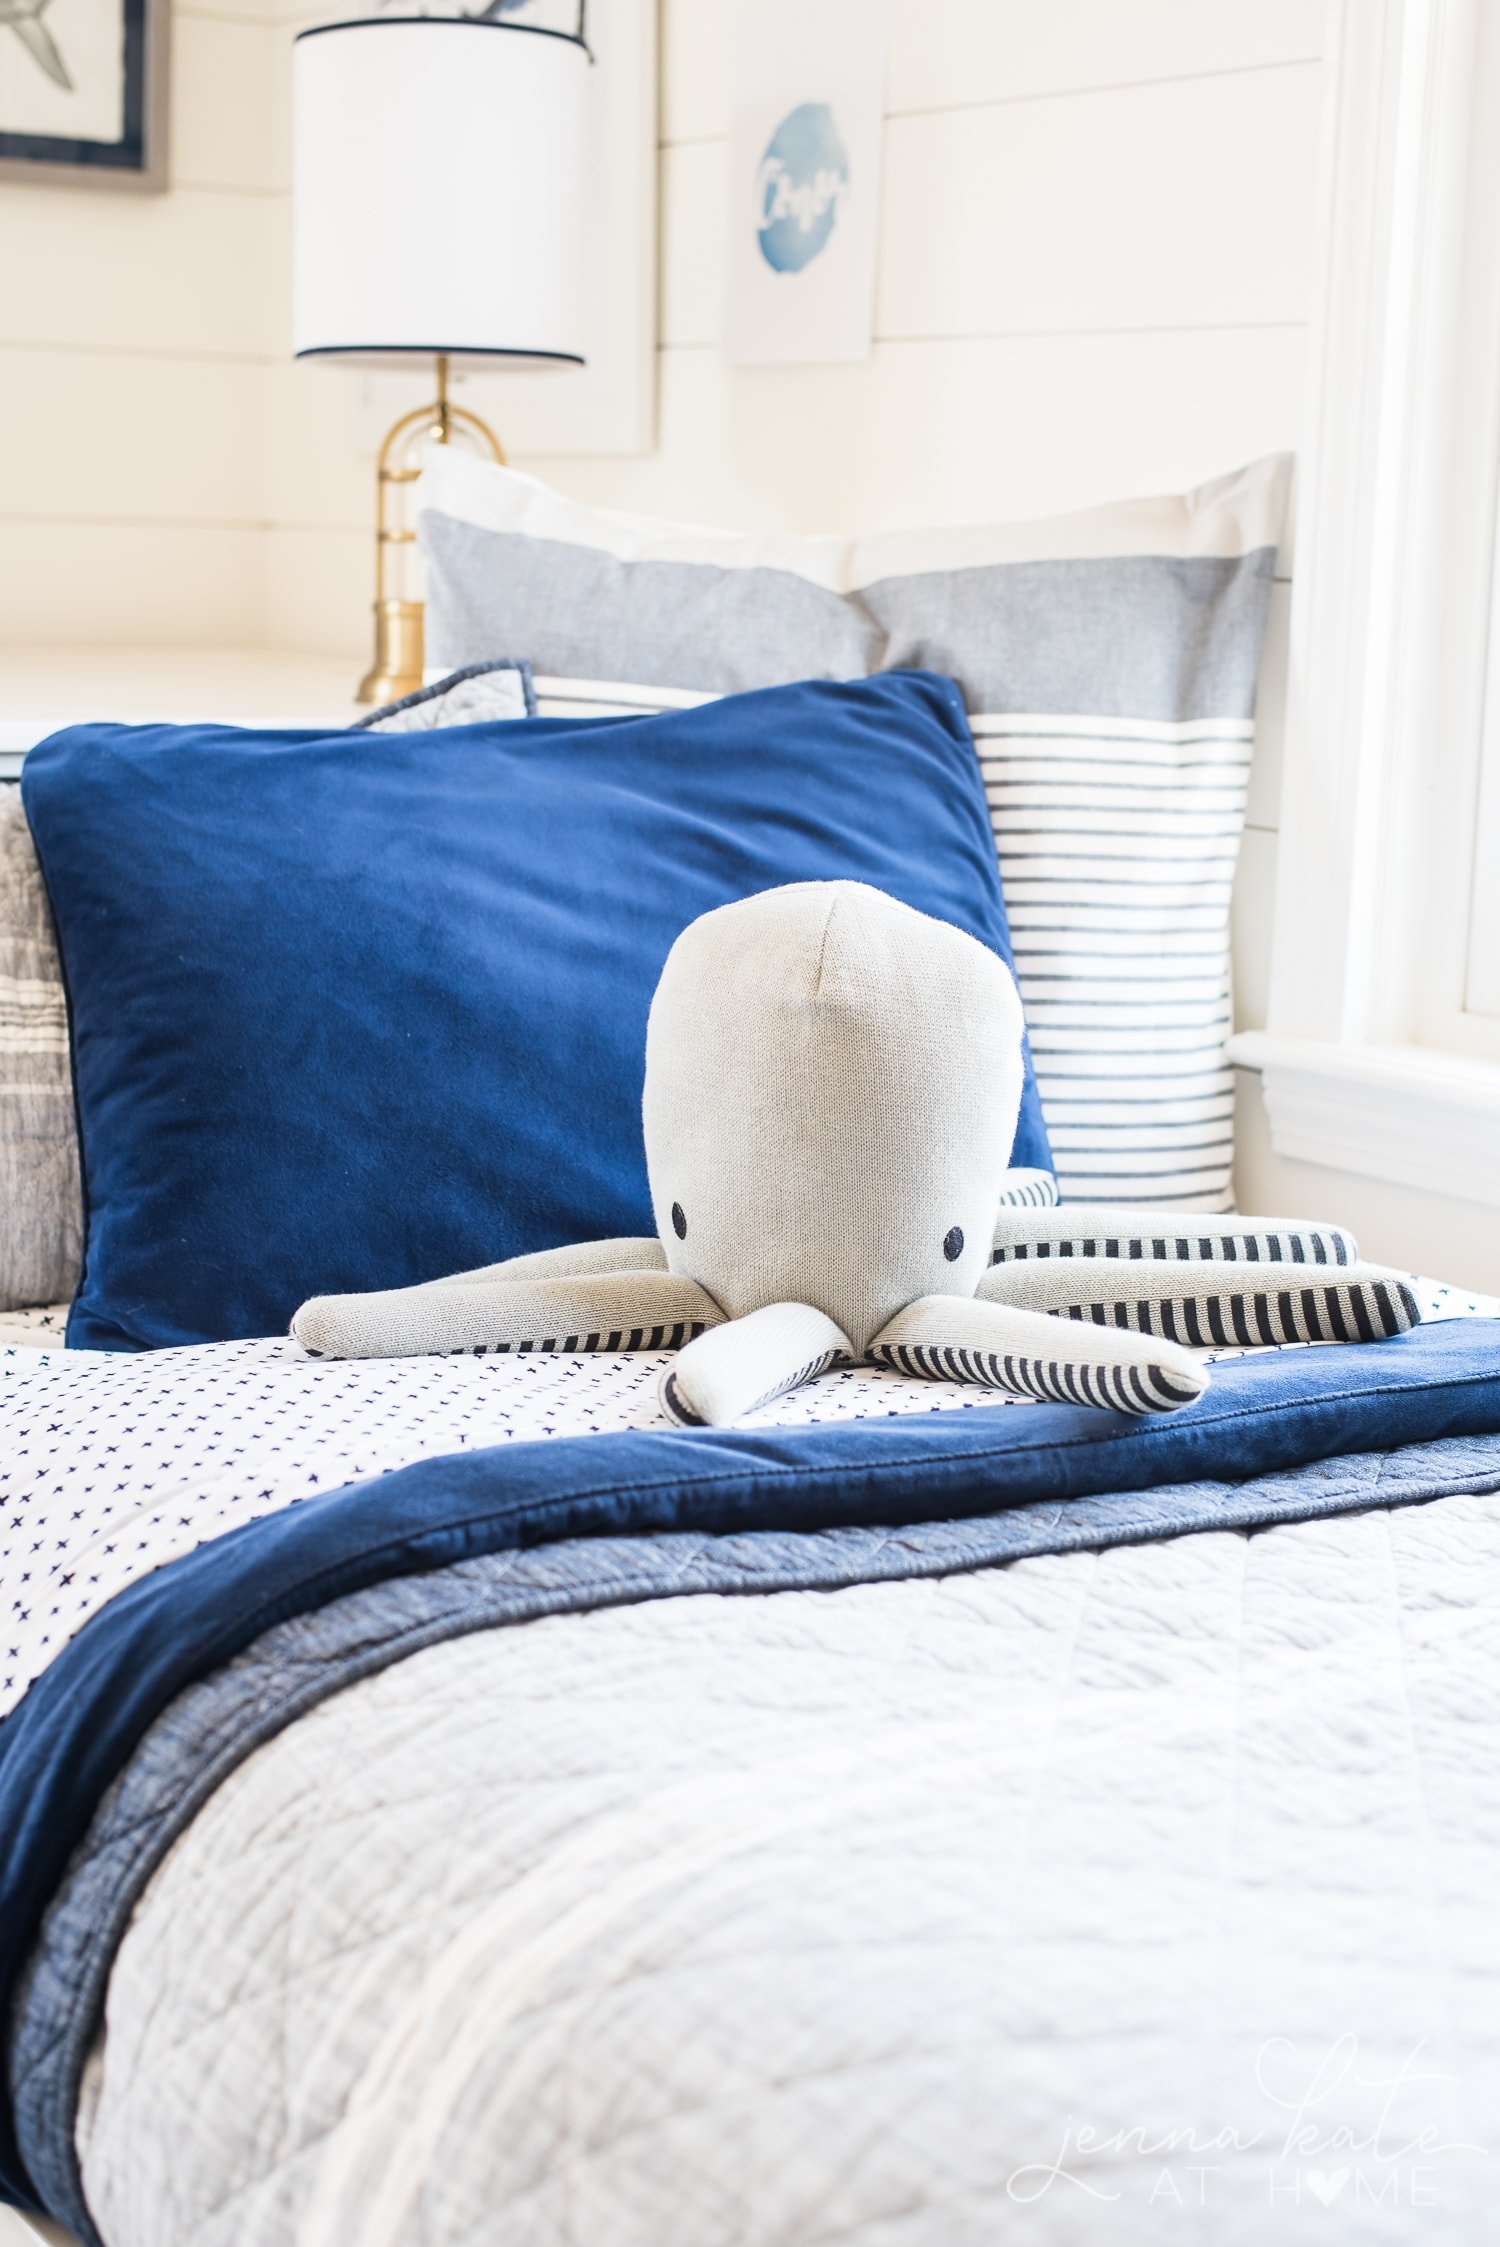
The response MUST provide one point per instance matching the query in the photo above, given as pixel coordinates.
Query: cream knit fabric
(615, 1310)
(832, 1084)
(731, 1369)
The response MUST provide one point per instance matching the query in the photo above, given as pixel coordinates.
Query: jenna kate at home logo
(800, 185)
(1333, 2130)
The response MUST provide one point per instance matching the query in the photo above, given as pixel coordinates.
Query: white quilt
(1132, 1897)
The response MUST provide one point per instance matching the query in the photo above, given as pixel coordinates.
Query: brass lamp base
(397, 668)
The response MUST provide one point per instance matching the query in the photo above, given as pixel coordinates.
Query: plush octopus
(831, 1092)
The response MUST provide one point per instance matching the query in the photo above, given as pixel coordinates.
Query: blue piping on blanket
(80, 1722)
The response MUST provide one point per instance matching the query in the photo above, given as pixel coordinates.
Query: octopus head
(832, 1086)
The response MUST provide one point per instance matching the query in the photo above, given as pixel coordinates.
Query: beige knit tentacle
(621, 1310)
(727, 1372)
(583, 1258)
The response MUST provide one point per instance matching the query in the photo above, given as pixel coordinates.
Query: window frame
(1371, 1060)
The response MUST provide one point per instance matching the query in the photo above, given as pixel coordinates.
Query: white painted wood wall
(1093, 282)
(134, 343)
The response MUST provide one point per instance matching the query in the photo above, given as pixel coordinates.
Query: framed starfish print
(83, 91)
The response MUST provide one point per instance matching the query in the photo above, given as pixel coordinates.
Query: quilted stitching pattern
(778, 1920)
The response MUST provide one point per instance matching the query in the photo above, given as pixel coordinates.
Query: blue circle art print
(803, 178)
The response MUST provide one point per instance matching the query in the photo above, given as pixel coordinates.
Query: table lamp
(440, 183)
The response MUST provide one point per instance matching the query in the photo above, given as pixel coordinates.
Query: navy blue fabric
(80, 1721)
(355, 1010)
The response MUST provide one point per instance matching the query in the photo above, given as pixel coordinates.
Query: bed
(443, 1800)
(760, 1884)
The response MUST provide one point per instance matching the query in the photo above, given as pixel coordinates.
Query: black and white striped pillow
(1084, 1230)
(1108, 662)
(1117, 847)
(1186, 1304)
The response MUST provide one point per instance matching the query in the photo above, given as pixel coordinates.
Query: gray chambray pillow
(41, 1210)
(1108, 662)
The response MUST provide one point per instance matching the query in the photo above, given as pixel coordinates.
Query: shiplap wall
(1093, 282)
(135, 333)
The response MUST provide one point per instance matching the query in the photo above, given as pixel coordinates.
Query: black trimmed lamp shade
(441, 187)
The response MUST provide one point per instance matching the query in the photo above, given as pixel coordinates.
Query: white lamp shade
(440, 190)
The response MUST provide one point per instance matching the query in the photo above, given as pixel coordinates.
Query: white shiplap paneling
(224, 80)
(996, 224)
(934, 432)
(130, 583)
(1181, 204)
(943, 53)
(806, 449)
(233, 11)
(1093, 280)
(319, 585)
(134, 332)
(141, 437)
(1060, 180)
(946, 54)
(188, 271)
(1092, 283)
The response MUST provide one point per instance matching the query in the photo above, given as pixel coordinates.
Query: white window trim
(1389, 610)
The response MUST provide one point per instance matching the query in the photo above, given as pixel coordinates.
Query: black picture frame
(138, 159)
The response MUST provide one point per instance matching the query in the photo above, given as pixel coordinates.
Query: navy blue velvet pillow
(353, 1010)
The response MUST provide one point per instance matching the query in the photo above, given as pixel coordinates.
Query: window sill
(1407, 1113)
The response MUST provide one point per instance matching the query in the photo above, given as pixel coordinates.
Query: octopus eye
(679, 1222)
(953, 1242)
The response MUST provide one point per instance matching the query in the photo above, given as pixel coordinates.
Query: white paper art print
(804, 198)
(82, 90)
